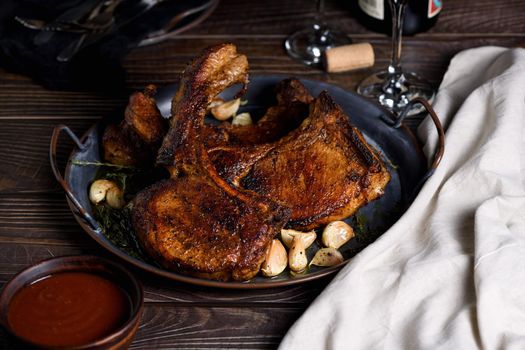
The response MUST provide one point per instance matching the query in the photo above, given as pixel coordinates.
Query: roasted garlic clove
(336, 234)
(99, 189)
(242, 119)
(107, 190)
(226, 110)
(276, 259)
(327, 257)
(297, 259)
(115, 197)
(287, 237)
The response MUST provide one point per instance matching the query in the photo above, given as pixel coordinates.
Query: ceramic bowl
(120, 338)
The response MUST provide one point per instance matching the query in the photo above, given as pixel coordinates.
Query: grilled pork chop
(323, 171)
(136, 140)
(196, 222)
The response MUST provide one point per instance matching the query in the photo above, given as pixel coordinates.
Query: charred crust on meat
(364, 151)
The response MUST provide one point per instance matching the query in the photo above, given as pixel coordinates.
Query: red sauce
(66, 309)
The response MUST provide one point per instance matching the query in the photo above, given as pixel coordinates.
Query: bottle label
(434, 7)
(373, 8)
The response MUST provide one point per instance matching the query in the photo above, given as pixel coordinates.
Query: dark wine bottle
(420, 15)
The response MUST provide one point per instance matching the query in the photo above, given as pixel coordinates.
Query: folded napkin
(450, 274)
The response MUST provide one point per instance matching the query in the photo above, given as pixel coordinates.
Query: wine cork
(348, 57)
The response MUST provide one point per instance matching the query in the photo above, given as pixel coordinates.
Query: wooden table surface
(36, 223)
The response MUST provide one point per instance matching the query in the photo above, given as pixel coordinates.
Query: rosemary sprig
(101, 164)
(117, 227)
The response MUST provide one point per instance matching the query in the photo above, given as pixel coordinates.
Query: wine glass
(394, 88)
(308, 44)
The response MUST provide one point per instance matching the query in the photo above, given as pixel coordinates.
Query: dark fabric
(96, 67)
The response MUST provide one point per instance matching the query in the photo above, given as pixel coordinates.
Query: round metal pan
(397, 146)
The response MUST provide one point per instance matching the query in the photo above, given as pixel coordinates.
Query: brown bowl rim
(137, 304)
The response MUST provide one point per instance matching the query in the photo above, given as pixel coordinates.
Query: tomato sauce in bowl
(66, 309)
(73, 303)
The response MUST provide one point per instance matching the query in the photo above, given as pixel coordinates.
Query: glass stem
(320, 27)
(398, 13)
(319, 13)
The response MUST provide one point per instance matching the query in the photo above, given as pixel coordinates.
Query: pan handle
(438, 155)
(81, 211)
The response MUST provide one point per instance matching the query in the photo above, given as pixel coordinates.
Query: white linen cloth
(450, 274)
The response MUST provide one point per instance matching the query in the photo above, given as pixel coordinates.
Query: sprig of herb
(359, 224)
(101, 164)
(117, 227)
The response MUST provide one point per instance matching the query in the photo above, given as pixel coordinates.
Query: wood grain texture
(170, 327)
(24, 152)
(163, 291)
(35, 221)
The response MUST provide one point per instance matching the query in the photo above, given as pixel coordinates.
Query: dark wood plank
(23, 99)
(164, 327)
(21, 253)
(39, 216)
(167, 291)
(24, 152)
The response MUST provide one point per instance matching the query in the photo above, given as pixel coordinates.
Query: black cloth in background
(96, 67)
